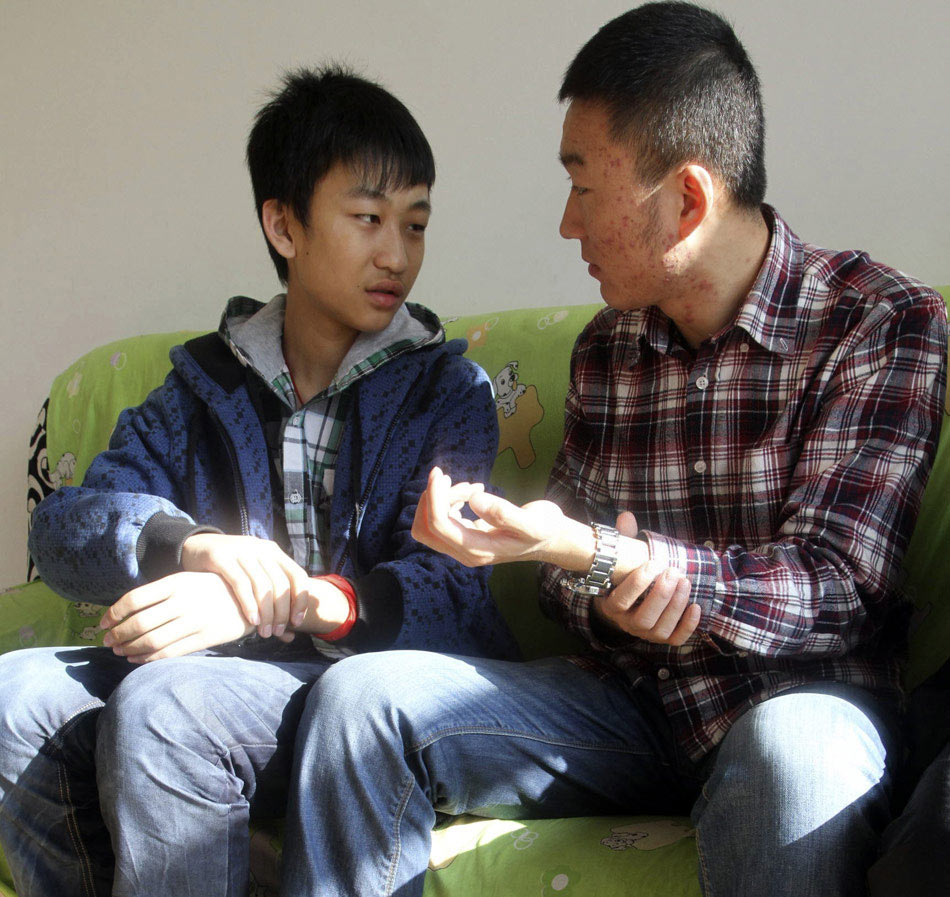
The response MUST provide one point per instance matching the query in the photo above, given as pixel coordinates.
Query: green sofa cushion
(927, 565)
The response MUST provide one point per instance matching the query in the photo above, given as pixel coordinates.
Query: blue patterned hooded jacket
(195, 454)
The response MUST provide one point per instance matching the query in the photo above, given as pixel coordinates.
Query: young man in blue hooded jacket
(249, 524)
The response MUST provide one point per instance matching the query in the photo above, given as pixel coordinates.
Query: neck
(313, 347)
(719, 269)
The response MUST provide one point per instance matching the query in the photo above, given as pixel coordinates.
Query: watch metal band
(597, 580)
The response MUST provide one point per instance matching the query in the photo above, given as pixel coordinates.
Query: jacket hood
(254, 331)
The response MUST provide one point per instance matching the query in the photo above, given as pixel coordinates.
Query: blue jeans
(790, 803)
(172, 758)
(916, 845)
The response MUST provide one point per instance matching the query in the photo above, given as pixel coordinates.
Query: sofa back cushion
(526, 353)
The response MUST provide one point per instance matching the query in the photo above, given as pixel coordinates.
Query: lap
(575, 741)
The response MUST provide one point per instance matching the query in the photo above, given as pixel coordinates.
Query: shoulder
(850, 283)
(446, 364)
(606, 341)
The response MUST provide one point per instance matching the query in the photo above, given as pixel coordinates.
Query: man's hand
(173, 616)
(537, 531)
(650, 603)
(270, 586)
(503, 532)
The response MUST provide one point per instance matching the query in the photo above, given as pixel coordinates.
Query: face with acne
(627, 230)
(355, 261)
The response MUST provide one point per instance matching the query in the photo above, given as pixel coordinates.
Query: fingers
(627, 524)
(439, 524)
(134, 601)
(299, 593)
(242, 588)
(268, 585)
(653, 605)
(179, 614)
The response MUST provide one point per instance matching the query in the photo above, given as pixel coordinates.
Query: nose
(392, 254)
(571, 224)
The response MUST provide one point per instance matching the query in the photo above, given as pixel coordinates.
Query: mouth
(386, 293)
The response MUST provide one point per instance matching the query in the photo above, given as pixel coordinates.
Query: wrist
(631, 553)
(345, 588)
(331, 606)
(571, 548)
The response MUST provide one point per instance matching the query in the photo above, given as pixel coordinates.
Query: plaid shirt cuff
(701, 566)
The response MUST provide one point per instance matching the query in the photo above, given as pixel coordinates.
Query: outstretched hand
(502, 531)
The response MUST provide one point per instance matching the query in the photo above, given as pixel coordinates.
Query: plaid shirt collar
(770, 313)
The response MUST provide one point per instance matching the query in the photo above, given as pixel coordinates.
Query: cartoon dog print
(507, 388)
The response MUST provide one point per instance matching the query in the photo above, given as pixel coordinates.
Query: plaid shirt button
(700, 467)
(702, 382)
(295, 497)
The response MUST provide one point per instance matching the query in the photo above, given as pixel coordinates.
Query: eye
(579, 191)
(369, 218)
(418, 228)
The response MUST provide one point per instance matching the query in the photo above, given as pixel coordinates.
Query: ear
(276, 220)
(697, 192)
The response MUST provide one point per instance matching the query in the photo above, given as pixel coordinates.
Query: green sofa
(526, 352)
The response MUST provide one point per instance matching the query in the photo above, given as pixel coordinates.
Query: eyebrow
(571, 159)
(365, 191)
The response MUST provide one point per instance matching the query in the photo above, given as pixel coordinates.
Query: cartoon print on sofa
(84, 619)
(518, 412)
(507, 388)
(478, 334)
(649, 834)
(65, 468)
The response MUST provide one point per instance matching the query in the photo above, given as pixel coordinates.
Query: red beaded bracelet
(347, 589)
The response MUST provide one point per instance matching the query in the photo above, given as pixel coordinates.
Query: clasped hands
(648, 602)
(228, 587)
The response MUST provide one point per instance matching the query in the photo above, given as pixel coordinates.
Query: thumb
(627, 524)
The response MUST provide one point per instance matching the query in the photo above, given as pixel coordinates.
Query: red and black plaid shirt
(780, 466)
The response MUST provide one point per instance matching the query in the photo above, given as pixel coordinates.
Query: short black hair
(678, 86)
(327, 116)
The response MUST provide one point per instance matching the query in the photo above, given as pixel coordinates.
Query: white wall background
(125, 207)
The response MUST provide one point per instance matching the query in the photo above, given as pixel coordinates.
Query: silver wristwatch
(597, 581)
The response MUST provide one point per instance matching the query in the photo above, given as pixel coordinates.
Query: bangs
(388, 167)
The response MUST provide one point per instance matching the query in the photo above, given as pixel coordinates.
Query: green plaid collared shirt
(312, 432)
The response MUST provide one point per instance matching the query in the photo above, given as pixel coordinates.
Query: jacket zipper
(357, 517)
(235, 471)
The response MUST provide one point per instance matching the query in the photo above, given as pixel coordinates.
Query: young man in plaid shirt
(249, 524)
(749, 428)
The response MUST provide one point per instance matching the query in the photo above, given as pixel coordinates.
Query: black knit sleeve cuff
(379, 612)
(158, 550)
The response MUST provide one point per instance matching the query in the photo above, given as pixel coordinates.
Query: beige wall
(125, 208)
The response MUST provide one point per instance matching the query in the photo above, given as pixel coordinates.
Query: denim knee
(158, 701)
(40, 696)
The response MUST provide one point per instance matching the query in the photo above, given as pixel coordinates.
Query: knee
(157, 706)
(802, 751)
(391, 691)
(39, 695)
(375, 681)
